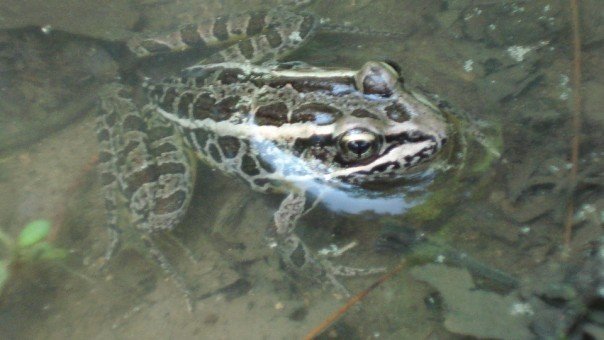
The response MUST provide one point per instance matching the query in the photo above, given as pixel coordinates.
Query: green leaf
(33, 233)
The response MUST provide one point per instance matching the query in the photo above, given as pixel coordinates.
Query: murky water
(485, 255)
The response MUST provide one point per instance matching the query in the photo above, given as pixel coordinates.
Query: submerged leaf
(33, 233)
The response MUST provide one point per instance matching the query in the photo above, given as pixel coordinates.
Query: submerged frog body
(286, 128)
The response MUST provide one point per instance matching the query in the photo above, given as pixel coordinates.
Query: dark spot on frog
(318, 113)
(165, 148)
(214, 153)
(184, 103)
(274, 38)
(274, 114)
(261, 182)
(220, 28)
(248, 166)
(136, 179)
(255, 24)
(171, 168)
(229, 146)
(246, 48)
(307, 25)
(191, 37)
(168, 99)
(316, 141)
(225, 108)
(202, 106)
(398, 113)
(362, 113)
(134, 123)
(198, 138)
(171, 203)
(230, 75)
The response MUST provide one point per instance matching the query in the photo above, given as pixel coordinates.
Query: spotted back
(254, 36)
(272, 132)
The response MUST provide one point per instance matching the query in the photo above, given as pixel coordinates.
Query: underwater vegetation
(28, 248)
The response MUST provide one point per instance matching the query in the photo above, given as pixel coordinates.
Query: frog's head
(398, 130)
(354, 126)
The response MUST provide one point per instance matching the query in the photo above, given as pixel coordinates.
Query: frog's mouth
(396, 159)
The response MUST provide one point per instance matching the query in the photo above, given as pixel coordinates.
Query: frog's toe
(339, 270)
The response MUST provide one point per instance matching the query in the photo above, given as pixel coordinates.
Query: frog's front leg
(294, 253)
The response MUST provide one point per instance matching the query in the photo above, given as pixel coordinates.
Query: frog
(283, 127)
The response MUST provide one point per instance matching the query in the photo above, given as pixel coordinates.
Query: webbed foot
(298, 259)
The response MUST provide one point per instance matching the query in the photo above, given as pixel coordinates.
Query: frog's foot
(298, 259)
(334, 251)
(333, 271)
(338, 270)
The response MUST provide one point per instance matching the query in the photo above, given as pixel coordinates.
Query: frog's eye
(377, 78)
(358, 145)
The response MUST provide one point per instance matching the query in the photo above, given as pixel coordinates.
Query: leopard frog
(287, 128)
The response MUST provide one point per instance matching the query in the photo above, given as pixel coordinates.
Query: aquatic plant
(29, 247)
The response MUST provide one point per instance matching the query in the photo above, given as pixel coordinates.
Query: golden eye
(358, 145)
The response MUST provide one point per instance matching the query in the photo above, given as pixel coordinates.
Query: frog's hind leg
(143, 163)
(284, 32)
(252, 37)
(114, 106)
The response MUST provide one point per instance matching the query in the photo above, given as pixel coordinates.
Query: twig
(333, 317)
(576, 121)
